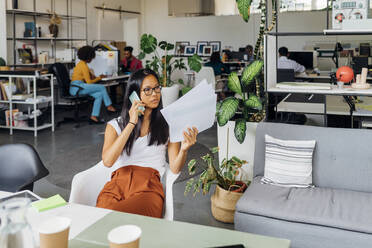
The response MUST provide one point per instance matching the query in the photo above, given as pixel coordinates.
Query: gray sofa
(335, 213)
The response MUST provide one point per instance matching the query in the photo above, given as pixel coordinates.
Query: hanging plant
(252, 101)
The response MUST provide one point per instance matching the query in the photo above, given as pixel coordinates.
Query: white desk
(316, 77)
(115, 78)
(334, 91)
(90, 225)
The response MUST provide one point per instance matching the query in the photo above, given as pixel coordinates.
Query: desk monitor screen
(303, 58)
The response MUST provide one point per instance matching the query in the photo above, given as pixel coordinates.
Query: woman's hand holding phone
(134, 110)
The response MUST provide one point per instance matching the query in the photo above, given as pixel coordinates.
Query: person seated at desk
(285, 63)
(136, 143)
(249, 51)
(83, 83)
(130, 63)
(217, 65)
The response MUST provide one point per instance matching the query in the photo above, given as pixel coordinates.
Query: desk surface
(321, 76)
(333, 91)
(113, 78)
(90, 226)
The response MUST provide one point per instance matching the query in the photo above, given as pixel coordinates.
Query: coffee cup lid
(124, 234)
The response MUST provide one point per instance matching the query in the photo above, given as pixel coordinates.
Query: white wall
(232, 30)
(3, 48)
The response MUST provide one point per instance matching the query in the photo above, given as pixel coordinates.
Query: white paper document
(195, 109)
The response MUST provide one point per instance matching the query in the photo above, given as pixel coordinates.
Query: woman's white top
(142, 154)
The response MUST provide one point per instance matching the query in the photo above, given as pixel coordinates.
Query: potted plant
(228, 189)
(165, 64)
(55, 20)
(238, 116)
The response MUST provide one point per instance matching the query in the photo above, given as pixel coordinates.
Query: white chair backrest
(87, 185)
(206, 73)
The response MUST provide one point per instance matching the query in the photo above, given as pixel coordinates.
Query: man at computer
(285, 63)
(130, 63)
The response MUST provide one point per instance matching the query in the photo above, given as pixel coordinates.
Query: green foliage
(240, 129)
(252, 71)
(228, 108)
(194, 63)
(234, 84)
(253, 102)
(191, 166)
(185, 89)
(223, 175)
(148, 43)
(2, 62)
(149, 46)
(244, 7)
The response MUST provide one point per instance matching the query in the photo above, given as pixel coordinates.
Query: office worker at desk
(285, 63)
(249, 51)
(83, 83)
(217, 65)
(135, 144)
(130, 63)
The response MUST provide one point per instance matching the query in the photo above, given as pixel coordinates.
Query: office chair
(63, 80)
(87, 185)
(285, 75)
(20, 167)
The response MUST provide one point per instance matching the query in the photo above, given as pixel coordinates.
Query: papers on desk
(197, 108)
(303, 86)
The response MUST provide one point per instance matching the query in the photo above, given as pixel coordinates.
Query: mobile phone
(134, 97)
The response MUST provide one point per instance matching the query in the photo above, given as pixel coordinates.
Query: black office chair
(20, 167)
(285, 75)
(63, 80)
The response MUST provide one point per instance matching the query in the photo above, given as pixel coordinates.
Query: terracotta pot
(223, 204)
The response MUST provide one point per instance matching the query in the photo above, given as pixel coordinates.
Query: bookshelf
(36, 16)
(32, 103)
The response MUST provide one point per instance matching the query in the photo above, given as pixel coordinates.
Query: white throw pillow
(288, 163)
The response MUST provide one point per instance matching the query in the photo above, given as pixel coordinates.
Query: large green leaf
(240, 129)
(165, 45)
(234, 84)
(148, 43)
(141, 56)
(253, 102)
(227, 110)
(194, 63)
(252, 71)
(244, 7)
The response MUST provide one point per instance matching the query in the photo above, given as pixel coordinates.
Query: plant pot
(169, 94)
(244, 151)
(53, 29)
(223, 204)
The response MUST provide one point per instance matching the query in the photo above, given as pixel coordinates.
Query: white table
(91, 225)
(82, 217)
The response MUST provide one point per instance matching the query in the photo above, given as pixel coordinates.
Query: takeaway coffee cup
(127, 236)
(54, 232)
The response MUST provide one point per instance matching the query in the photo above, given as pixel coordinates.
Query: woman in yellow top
(83, 83)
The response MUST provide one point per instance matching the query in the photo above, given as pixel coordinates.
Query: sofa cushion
(288, 163)
(345, 209)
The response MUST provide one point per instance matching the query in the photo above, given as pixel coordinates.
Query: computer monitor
(305, 58)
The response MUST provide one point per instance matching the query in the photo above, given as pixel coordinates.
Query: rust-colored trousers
(133, 189)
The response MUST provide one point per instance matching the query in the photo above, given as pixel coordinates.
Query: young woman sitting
(135, 144)
(83, 82)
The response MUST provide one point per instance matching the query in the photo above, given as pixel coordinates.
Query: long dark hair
(159, 130)
(215, 58)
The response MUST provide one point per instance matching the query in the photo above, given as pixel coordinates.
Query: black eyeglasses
(149, 91)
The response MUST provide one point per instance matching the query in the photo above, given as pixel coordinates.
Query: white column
(3, 35)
